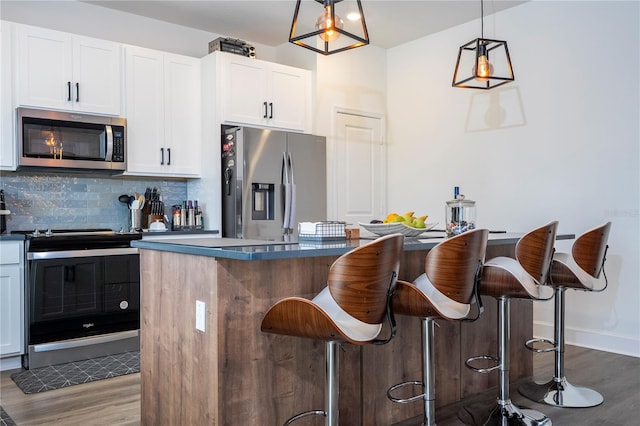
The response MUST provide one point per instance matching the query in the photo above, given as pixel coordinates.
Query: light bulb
(325, 23)
(484, 68)
(50, 139)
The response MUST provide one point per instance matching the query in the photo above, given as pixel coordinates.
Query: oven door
(74, 297)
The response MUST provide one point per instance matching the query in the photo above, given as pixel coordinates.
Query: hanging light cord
(481, 19)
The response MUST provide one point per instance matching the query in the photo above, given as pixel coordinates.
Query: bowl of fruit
(406, 224)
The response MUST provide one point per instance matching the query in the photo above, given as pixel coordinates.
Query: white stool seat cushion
(352, 327)
(530, 284)
(568, 261)
(447, 307)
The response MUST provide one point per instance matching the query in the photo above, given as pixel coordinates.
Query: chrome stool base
(505, 414)
(561, 394)
(305, 414)
(428, 394)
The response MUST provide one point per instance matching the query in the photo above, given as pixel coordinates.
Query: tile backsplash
(62, 201)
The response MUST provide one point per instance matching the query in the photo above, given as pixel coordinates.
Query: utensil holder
(135, 220)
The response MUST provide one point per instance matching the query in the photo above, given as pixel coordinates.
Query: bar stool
(570, 271)
(504, 278)
(445, 290)
(351, 308)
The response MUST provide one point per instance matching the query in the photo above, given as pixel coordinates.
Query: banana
(390, 218)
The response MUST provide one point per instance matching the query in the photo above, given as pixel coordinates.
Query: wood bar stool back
(351, 308)
(577, 271)
(505, 278)
(445, 290)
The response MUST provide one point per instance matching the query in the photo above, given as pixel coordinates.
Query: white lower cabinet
(163, 113)
(11, 298)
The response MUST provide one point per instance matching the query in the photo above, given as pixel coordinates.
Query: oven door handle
(85, 341)
(81, 253)
(70, 273)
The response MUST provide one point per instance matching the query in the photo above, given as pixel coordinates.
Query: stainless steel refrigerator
(271, 181)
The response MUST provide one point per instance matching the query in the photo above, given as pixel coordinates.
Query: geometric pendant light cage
(329, 26)
(483, 63)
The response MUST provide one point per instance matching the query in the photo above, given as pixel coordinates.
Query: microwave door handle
(109, 153)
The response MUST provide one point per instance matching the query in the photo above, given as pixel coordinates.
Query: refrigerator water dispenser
(263, 195)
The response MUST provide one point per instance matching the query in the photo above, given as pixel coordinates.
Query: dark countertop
(231, 248)
(12, 237)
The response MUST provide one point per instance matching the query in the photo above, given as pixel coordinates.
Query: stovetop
(66, 232)
(76, 239)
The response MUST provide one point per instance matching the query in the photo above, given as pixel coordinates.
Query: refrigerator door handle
(292, 198)
(287, 193)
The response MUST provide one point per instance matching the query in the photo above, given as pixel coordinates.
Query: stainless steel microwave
(71, 141)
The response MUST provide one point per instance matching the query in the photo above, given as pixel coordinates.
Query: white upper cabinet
(7, 118)
(163, 113)
(262, 93)
(68, 72)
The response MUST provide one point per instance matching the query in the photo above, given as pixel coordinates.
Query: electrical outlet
(201, 309)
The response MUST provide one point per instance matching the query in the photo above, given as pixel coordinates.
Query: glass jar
(460, 215)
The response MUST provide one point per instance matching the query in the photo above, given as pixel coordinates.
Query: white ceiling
(390, 23)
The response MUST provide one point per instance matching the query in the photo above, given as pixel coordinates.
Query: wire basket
(322, 231)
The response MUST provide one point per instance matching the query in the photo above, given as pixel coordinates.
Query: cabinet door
(290, 95)
(63, 71)
(244, 90)
(144, 110)
(11, 298)
(182, 115)
(44, 68)
(10, 314)
(7, 140)
(96, 76)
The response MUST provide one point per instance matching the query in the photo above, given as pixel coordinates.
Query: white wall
(559, 143)
(100, 22)
(354, 81)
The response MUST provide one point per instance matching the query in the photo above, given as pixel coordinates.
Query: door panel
(360, 175)
(64, 288)
(263, 152)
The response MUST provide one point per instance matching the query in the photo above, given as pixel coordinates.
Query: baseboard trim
(622, 345)
(10, 363)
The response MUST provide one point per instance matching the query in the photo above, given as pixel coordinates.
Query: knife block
(146, 212)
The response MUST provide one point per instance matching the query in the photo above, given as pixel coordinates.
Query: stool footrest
(469, 363)
(401, 385)
(305, 414)
(529, 345)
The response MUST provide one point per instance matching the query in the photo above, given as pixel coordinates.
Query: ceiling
(390, 23)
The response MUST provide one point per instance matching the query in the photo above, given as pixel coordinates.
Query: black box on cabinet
(226, 44)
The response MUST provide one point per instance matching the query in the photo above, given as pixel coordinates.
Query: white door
(145, 110)
(97, 76)
(182, 114)
(44, 71)
(359, 185)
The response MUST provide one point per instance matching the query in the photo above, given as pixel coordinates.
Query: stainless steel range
(82, 295)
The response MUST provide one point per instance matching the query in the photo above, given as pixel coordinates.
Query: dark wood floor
(117, 401)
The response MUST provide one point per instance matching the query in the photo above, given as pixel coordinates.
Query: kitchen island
(222, 370)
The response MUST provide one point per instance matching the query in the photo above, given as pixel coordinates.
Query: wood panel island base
(232, 374)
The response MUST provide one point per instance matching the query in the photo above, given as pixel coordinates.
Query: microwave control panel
(118, 144)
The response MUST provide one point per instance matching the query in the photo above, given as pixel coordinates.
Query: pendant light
(323, 29)
(483, 63)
